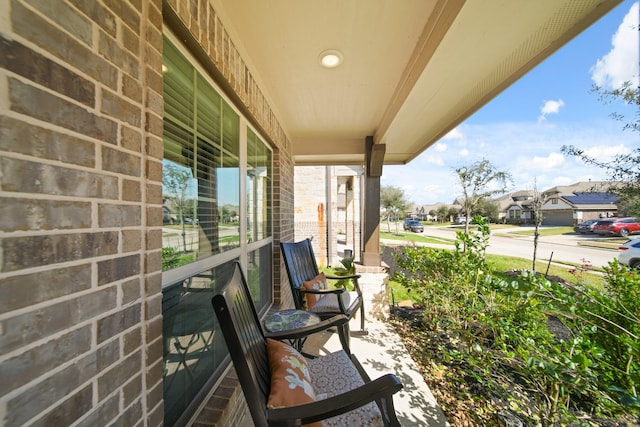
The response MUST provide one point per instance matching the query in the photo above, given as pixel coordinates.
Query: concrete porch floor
(381, 351)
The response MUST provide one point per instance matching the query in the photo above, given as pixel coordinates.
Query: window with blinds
(212, 192)
(201, 167)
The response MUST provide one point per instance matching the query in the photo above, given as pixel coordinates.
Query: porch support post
(374, 158)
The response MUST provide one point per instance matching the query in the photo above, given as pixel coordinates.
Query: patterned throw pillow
(318, 282)
(290, 382)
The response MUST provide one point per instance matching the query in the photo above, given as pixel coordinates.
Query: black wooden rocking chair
(301, 266)
(247, 344)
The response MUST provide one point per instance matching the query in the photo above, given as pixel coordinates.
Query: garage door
(557, 218)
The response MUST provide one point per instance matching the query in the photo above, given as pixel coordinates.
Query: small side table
(286, 320)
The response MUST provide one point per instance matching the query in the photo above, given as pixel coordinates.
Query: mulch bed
(467, 398)
(463, 395)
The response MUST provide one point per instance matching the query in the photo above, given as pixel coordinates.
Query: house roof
(515, 198)
(412, 70)
(578, 187)
(434, 206)
(521, 204)
(592, 199)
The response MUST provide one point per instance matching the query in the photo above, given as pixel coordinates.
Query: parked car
(630, 254)
(585, 227)
(617, 226)
(460, 220)
(413, 225)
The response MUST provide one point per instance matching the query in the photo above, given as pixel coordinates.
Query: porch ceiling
(412, 70)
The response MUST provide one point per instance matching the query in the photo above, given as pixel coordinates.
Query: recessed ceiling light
(330, 58)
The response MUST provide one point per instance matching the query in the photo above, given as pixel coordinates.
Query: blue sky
(521, 131)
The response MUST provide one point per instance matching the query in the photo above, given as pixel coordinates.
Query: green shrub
(612, 322)
(587, 362)
(170, 258)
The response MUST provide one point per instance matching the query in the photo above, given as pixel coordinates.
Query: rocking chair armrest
(355, 282)
(336, 291)
(337, 320)
(351, 276)
(383, 387)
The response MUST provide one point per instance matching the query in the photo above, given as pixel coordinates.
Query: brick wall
(81, 205)
(80, 212)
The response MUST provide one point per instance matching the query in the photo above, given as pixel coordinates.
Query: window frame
(184, 272)
(246, 249)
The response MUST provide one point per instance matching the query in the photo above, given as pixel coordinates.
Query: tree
(452, 212)
(433, 214)
(627, 94)
(175, 183)
(624, 169)
(488, 209)
(624, 176)
(442, 213)
(393, 202)
(538, 201)
(478, 182)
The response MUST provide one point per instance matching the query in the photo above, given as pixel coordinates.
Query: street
(560, 247)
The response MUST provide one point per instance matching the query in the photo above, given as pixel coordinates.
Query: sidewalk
(381, 351)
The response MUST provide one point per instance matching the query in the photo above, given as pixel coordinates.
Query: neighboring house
(568, 205)
(423, 212)
(514, 207)
(572, 209)
(518, 213)
(420, 212)
(565, 205)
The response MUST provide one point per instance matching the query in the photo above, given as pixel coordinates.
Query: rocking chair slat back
(245, 339)
(301, 267)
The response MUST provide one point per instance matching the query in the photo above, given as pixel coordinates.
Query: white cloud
(434, 190)
(454, 134)
(550, 107)
(552, 161)
(563, 180)
(621, 64)
(541, 163)
(440, 147)
(434, 160)
(464, 152)
(408, 188)
(606, 153)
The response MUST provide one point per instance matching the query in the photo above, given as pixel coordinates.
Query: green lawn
(404, 236)
(500, 264)
(605, 243)
(544, 231)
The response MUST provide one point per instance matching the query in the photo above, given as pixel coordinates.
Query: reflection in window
(192, 346)
(201, 167)
(259, 276)
(258, 188)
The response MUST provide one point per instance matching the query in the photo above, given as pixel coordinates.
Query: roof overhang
(412, 70)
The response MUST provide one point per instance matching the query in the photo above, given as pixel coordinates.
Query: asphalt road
(557, 248)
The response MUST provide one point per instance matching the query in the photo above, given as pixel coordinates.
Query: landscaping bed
(470, 398)
(513, 348)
